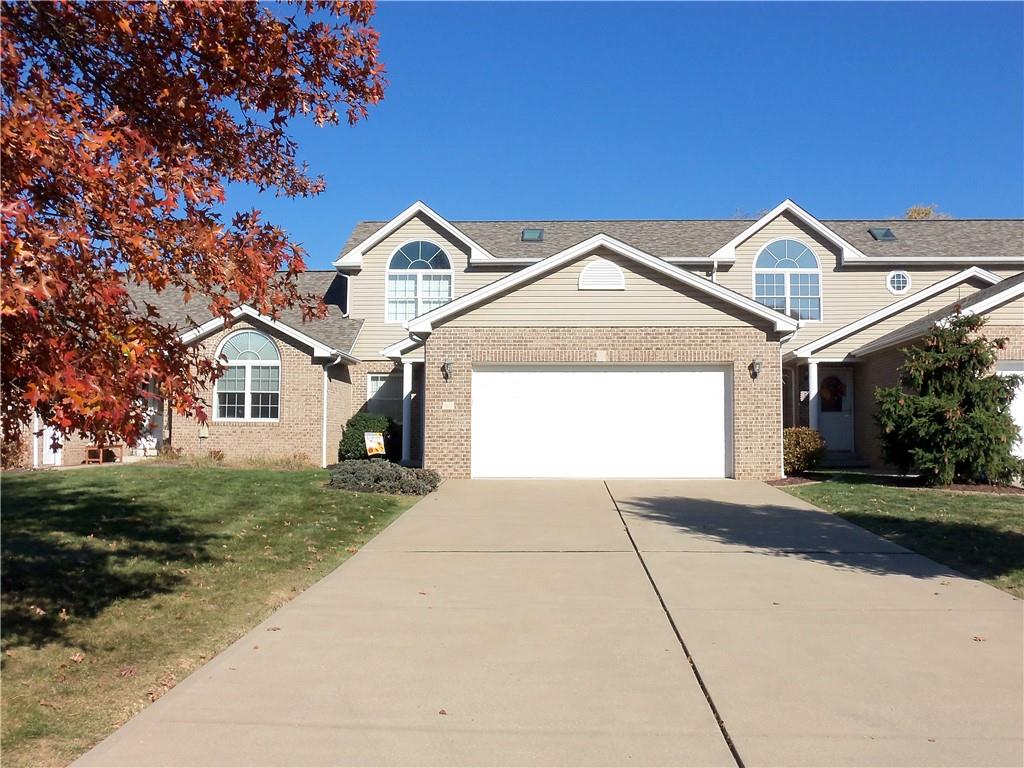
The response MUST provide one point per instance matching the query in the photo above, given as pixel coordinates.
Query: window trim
(247, 386)
(755, 271)
(892, 290)
(419, 276)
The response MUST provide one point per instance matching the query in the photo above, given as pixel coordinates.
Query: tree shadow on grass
(977, 550)
(82, 550)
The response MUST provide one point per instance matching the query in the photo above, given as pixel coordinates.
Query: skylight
(882, 233)
(533, 235)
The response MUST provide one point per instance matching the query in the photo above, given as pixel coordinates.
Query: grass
(119, 582)
(981, 535)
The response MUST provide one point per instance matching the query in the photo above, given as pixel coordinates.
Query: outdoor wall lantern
(446, 370)
(755, 368)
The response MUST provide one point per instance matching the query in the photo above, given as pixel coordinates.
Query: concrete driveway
(591, 623)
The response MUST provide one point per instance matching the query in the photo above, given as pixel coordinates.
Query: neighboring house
(603, 348)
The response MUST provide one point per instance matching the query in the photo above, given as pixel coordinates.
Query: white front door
(601, 421)
(1015, 368)
(50, 456)
(835, 408)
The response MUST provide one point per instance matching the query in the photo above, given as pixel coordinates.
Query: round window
(898, 282)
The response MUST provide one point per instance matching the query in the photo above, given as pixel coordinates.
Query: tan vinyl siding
(1011, 313)
(846, 295)
(367, 291)
(901, 319)
(649, 299)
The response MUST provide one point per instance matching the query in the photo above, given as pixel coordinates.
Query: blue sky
(578, 110)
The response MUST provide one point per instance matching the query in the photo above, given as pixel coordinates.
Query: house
(601, 348)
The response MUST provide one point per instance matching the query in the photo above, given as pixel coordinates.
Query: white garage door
(562, 421)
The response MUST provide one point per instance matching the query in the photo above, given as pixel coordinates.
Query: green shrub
(353, 445)
(382, 476)
(802, 449)
(950, 417)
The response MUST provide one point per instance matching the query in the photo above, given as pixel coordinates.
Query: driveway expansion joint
(675, 628)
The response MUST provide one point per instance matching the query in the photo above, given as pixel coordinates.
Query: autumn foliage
(122, 124)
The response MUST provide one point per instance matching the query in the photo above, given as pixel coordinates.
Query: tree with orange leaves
(122, 123)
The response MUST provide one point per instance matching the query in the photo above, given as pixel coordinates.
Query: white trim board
(808, 350)
(847, 251)
(992, 302)
(320, 350)
(353, 259)
(400, 348)
(425, 322)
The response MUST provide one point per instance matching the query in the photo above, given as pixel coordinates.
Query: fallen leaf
(442, 711)
(78, 658)
(273, 629)
(63, 615)
(979, 639)
(37, 610)
(50, 704)
(126, 671)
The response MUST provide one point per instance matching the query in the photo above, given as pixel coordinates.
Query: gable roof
(977, 303)
(425, 322)
(680, 241)
(807, 350)
(335, 331)
(352, 257)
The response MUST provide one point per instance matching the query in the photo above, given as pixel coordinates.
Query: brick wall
(756, 404)
(297, 432)
(1014, 349)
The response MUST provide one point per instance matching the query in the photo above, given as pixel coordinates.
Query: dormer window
(787, 278)
(419, 279)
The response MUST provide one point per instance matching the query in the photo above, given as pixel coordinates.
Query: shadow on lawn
(976, 550)
(50, 562)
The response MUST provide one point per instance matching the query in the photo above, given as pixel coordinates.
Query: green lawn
(981, 535)
(119, 582)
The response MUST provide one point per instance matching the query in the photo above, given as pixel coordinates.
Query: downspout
(323, 415)
(714, 271)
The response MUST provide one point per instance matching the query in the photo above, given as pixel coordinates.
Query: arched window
(787, 277)
(419, 279)
(250, 389)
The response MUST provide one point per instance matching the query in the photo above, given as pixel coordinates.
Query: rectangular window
(770, 290)
(265, 394)
(231, 393)
(436, 290)
(804, 296)
(401, 298)
(384, 395)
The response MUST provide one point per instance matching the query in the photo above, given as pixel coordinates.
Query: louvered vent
(602, 275)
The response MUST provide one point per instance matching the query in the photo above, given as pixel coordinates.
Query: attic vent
(601, 275)
(532, 235)
(882, 233)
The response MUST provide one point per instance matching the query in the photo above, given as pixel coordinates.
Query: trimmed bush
(381, 476)
(802, 449)
(353, 445)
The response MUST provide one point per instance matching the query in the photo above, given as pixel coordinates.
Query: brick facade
(756, 405)
(296, 434)
(1014, 349)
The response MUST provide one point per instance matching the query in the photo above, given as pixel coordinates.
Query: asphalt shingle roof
(335, 330)
(937, 238)
(922, 325)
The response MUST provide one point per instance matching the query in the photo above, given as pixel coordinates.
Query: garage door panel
(600, 422)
